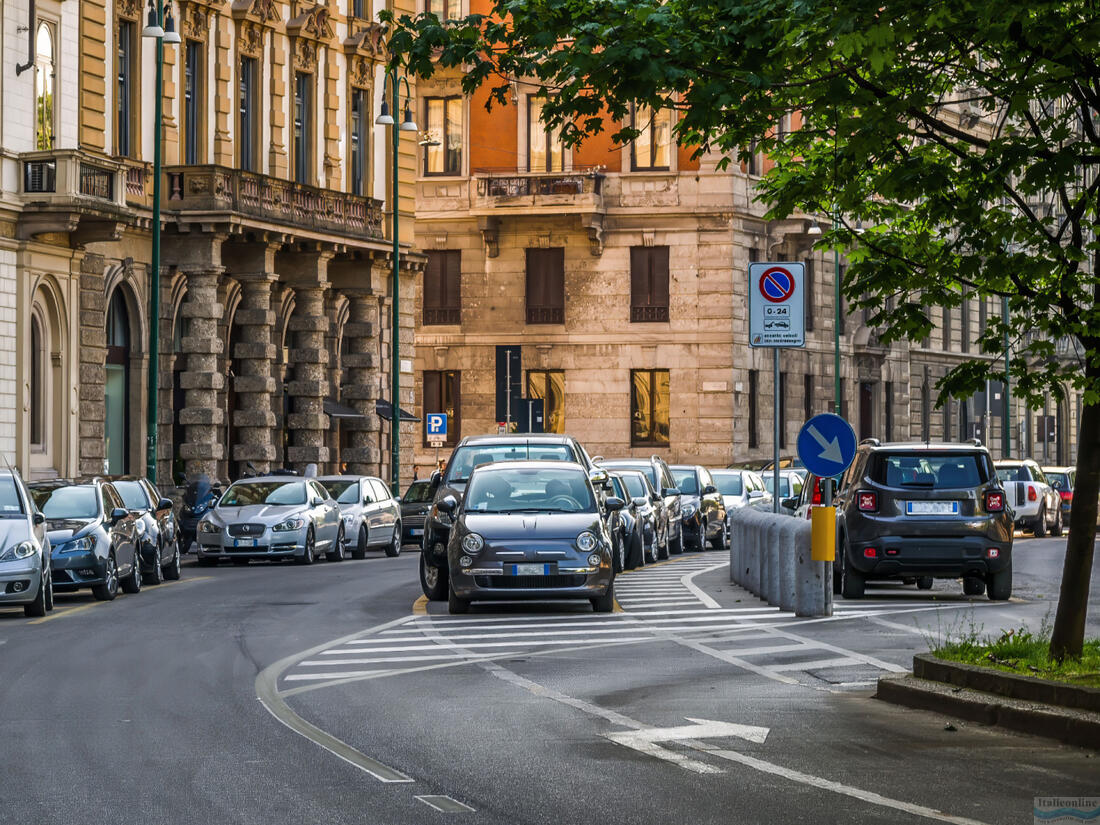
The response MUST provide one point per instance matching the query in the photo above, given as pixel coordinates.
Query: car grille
(414, 521)
(246, 529)
(529, 582)
(61, 577)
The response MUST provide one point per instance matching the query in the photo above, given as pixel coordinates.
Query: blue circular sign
(776, 285)
(826, 445)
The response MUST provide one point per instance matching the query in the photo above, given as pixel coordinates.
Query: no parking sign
(777, 315)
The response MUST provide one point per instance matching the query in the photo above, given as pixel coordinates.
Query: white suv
(1036, 505)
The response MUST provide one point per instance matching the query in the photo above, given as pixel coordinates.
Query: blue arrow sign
(826, 445)
(436, 424)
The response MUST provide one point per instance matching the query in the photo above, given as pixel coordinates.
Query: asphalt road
(279, 694)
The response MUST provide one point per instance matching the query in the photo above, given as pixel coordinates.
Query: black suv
(660, 476)
(474, 451)
(923, 511)
(702, 513)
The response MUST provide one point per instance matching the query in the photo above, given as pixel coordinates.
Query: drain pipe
(22, 67)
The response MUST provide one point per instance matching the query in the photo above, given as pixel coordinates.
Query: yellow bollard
(823, 535)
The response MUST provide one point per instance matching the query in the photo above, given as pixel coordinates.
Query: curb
(1008, 685)
(1069, 725)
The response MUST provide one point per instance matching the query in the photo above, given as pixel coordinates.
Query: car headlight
(688, 510)
(472, 543)
(292, 523)
(81, 545)
(23, 550)
(208, 527)
(586, 541)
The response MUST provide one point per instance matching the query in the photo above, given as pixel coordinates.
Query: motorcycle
(201, 494)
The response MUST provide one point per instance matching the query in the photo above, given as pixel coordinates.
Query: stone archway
(46, 387)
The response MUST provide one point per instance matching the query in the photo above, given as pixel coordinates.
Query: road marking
(61, 613)
(645, 740)
(706, 599)
(816, 665)
(420, 606)
(445, 804)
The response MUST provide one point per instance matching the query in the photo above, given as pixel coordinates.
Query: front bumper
(942, 556)
(559, 579)
(268, 545)
(20, 580)
(71, 571)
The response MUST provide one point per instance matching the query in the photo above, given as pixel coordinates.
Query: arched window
(37, 376)
(43, 86)
(117, 392)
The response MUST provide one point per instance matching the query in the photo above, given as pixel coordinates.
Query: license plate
(529, 569)
(416, 531)
(932, 508)
(244, 542)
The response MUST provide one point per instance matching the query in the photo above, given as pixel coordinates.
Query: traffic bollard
(809, 595)
(772, 563)
(787, 553)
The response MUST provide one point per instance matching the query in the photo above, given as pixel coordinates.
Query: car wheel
(999, 585)
(662, 547)
(1041, 523)
(172, 571)
(636, 558)
(157, 575)
(109, 589)
(1058, 527)
(676, 547)
(618, 560)
(852, 583)
(49, 590)
(606, 602)
(359, 552)
(307, 551)
(433, 580)
(37, 608)
(925, 582)
(393, 549)
(455, 603)
(719, 542)
(336, 552)
(973, 586)
(132, 583)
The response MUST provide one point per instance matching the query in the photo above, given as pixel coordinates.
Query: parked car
(372, 516)
(158, 534)
(702, 513)
(529, 529)
(415, 505)
(790, 485)
(24, 549)
(472, 452)
(808, 497)
(199, 496)
(1063, 480)
(627, 529)
(921, 511)
(1036, 505)
(271, 517)
(93, 536)
(660, 477)
(741, 488)
(641, 504)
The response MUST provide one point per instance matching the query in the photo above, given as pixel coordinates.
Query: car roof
(925, 446)
(536, 464)
(273, 478)
(1051, 468)
(685, 466)
(1014, 462)
(517, 438)
(344, 477)
(65, 482)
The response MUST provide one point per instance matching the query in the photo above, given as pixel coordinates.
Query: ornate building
(275, 247)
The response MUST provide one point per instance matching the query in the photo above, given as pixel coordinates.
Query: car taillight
(867, 501)
(993, 553)
(1066, 495)
(994, 501)
(1031, 494)
(869, 552)
(816, 499)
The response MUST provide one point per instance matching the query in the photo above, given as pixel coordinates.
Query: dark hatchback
(923, 511)
(702, 513)
(668, 507)
(158, 533)
(415, 505)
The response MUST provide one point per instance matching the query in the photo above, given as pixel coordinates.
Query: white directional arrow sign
(830, 449)
(645, 740)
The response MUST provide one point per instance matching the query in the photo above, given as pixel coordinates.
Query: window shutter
(659, 288)
(453, 433)
(453, 284)
(432, 282)
(639, 276)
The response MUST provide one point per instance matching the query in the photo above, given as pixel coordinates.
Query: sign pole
(778, 424)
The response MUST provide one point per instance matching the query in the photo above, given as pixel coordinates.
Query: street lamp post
(161, 28)
(407, 125)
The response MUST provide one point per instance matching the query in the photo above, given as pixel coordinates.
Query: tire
(456, 605)
(109, 589)
(38, 607)
(925, 582)
(719, 541)
(132, 583)
(359, 552)
(173, 570)
(662, 547)
(606, 602)
(618, 559)
(999, 585)
(433, 580)
(837, 577)
(1041, 523)
(309, 551)
(1058, 527)
(49, 591)
(676, 548)
(973, 586)
(336, 553)
(393, 549)
(852, 583)
(636, 557)
(157, 576)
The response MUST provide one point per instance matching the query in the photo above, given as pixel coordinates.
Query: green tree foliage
(961, 134)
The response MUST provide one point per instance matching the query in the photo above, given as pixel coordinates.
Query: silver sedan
(372, 516)
(272, 517)
(25, 576)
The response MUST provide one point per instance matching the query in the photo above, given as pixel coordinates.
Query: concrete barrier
(770, 557)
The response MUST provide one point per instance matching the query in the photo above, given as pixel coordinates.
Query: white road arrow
(645, 739)
(830, 449)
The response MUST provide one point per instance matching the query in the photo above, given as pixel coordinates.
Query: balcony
(217, 192)
(72, 191)
(503, 191)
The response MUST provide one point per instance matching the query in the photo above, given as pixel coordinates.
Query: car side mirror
(655, 498)
(118, 514)
(38, 518)
(710, 489)
(448, 504)
(640, 501)
(614, 503)
(670, 491)
(790, 503)
(164, 504)
(756, 493)
(316, 501)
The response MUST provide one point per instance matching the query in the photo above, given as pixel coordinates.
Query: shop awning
(334, 409)
(385, 410)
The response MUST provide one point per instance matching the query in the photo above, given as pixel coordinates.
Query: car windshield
(784, 485)
(10, 504)
(66, 502)
(950, 470)
(728, 484)
(635, 486)
(685, 480)
(470, 456)
(418, 492)
(345, 490)
(640, 466)
(1014, 473)
(264, 492)
(529, 490)
(1060, 480)
(133, 496)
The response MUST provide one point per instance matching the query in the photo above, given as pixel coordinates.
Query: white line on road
(687, 582)
(819, 664)
(445, 804)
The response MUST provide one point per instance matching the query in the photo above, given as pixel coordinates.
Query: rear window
(419, 491)
(931, 471)
(1017, 473)
(685, 480)
(640, 466)
(1058, 479)
(728, 484)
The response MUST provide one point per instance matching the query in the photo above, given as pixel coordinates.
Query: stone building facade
(276, 250)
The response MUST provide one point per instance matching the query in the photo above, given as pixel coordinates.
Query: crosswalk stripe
(816, 665)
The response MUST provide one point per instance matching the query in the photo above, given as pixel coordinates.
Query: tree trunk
(1068, 637)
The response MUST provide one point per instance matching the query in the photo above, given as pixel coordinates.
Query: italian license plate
(932, 508)
(529, 569)
(244, 542)
(416, 531)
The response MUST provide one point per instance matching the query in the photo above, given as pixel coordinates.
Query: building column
(93, 370)
(253, 361)
(202, 415)
(309, 387)
(360, 391)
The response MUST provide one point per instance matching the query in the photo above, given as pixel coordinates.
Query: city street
(335, 693)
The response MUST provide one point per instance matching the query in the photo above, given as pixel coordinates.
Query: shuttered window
(443, 394)
(648, 283)
(546, 286)
(443, 287)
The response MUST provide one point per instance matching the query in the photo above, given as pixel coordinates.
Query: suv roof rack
(874, 442)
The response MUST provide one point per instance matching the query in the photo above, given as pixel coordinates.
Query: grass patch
(1024, 653)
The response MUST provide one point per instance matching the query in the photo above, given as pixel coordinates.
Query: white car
(1036, 506)
(790, 485)
(370, 513)
(740, 488)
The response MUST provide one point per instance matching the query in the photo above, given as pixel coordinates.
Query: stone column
(93, 370)
(363, 456)
(253, 362)
(309, 359)
(202, 415)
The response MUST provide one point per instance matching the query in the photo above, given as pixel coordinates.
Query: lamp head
(153, 29)
(170, 34)
(408, 124)
(815, 229)
(384, 118)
